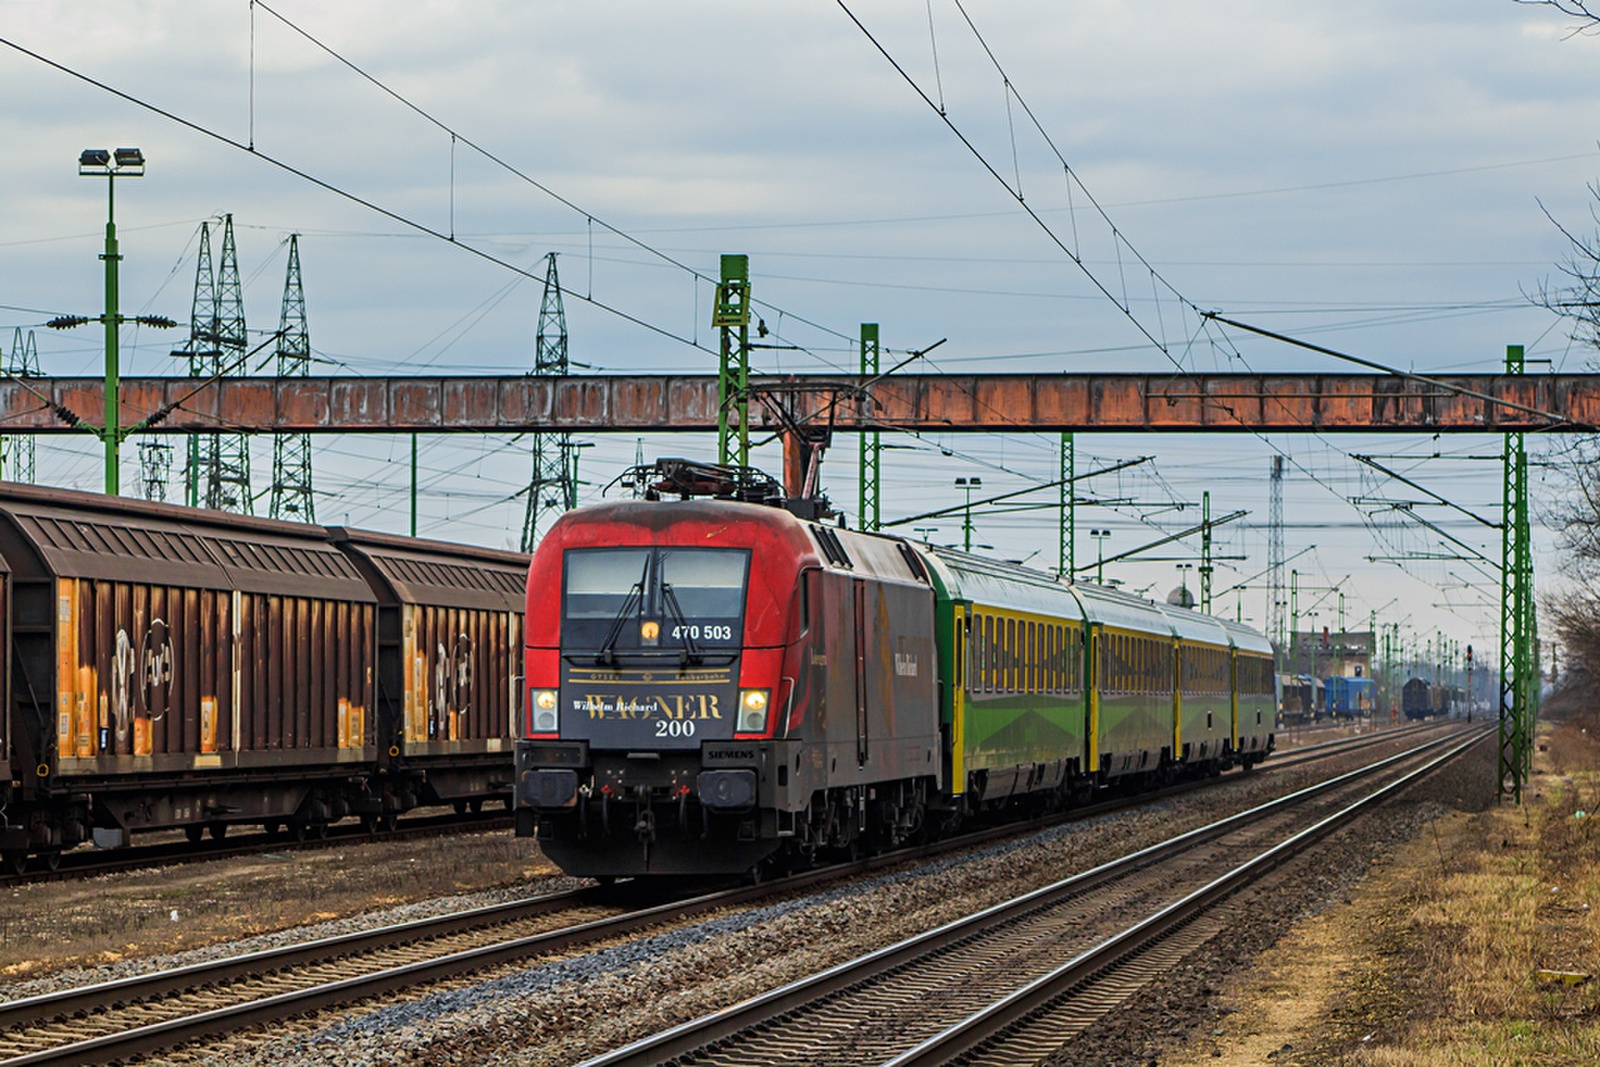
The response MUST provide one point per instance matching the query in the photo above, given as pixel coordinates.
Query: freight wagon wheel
(272, 829)
(219, 830)
(194, 832)
(51, 859)
(389, 821)
(14, 862)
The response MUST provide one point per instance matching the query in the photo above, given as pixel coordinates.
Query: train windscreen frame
(645, 599)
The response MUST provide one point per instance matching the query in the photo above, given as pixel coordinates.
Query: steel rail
(141, 987)
(993, 1020)
(138, 988)
(94, 862)
(697, 1034)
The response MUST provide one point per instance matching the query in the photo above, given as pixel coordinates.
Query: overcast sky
(1366, 175)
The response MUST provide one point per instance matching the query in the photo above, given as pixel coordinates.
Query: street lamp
(1100, 557)
(969, 484)
(111, 165)
(1184, 599)
(926, 533)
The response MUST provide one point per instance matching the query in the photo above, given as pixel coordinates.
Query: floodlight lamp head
(94, 161)
(129, 157)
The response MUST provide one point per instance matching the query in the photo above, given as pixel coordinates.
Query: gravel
(69, 979)
(560, 1010)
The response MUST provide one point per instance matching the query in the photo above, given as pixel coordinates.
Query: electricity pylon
(155, 467)
(553, 487)
(228, 465)
(24, 363)
(200, 351)
(292, 496)
(1275, 600)
(218, 471)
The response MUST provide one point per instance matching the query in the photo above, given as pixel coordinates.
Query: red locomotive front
(679, 687)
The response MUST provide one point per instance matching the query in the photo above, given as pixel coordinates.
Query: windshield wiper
(690, 653)
(607, 653)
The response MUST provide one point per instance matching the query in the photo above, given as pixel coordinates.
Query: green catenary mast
(869, 514)
(1519, 664)
(731, 317)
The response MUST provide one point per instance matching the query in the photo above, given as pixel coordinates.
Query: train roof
(414, 571)
(965, 576)
(809, 543)
(1246, 638)
(74, 534)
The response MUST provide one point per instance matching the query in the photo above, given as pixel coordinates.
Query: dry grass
(1516, 891)
(1435, 959)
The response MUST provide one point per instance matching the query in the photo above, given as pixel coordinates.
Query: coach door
(861, 669)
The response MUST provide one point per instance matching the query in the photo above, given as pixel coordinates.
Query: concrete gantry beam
(1215, 403)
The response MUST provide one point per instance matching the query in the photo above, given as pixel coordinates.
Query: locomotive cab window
(648, 599)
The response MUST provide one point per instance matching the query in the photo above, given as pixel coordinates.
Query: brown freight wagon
(176, 667)
(450, 693)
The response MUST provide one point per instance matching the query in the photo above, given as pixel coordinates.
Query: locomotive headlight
(753, 710)
(544, 710)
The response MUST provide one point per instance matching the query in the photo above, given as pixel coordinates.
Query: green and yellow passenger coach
(1049, 690)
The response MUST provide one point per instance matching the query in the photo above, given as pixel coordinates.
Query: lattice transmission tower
(200, 352)
(217, 474)
(19, 448)
(1275, 599)
(553, 487)
(155, 469)
(227, 467)
(291, 453)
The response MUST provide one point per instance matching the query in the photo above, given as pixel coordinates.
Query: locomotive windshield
(641, 600)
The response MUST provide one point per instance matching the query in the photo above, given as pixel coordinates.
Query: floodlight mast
(120, 163)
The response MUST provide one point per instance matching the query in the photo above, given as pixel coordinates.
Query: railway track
(912, 1004)
(142, 1014)
(91, 862)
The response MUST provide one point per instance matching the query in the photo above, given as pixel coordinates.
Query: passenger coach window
(986, 655)
(1010, 681)
(1032, 658)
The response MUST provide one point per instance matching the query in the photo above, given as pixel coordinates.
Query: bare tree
(1576, 297)
(1575, 612)
(1578, 9)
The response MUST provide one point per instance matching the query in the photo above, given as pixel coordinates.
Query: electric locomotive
(716, 683)
(722, 671)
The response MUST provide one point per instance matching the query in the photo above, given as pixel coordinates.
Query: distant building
(1314, 656)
